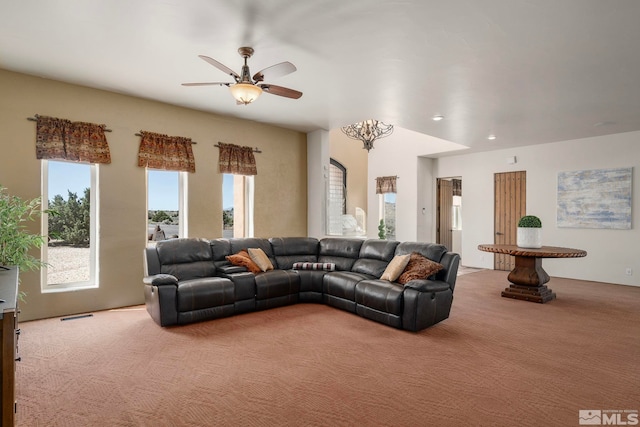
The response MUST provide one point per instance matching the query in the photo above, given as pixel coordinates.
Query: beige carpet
(494, 362)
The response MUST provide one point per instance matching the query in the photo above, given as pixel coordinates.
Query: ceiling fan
(247, 89)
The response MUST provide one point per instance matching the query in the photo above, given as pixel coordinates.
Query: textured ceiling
(527, 71)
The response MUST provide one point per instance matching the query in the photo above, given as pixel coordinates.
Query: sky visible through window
(66, 176)
(163, 188)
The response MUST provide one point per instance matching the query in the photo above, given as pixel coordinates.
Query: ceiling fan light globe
(245, 93)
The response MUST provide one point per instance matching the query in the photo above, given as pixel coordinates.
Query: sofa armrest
(426, 302)
(426, 285)
(231, 269)
(160, 279)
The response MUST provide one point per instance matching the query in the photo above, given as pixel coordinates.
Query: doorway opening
(449, 213)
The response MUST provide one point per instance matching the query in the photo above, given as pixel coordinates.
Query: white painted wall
(400, 154)
(610, 252)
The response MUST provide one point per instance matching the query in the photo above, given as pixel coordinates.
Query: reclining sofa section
(189, 280)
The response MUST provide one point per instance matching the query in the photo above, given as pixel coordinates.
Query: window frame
(382, 212)
(94, 238)
(332, 222)
(243, 216)
(183, 193)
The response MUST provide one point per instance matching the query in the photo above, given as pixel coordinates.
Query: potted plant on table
(529, 232)
(15, 240)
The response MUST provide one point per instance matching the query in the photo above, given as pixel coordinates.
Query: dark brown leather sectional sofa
(189, 280)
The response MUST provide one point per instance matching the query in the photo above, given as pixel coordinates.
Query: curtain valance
(237, 160)
(61, 139)
(457, 187)
(386, 184)
(159, 151)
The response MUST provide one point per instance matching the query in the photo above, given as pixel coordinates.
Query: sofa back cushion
(342, 252)
(374, 257)
(186, 258)
(220, 249)
(289, 250)
(433, 251)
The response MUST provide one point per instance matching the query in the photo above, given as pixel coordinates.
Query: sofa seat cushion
(342, 284)
(276, 283)
(206, 292)
(380, 295)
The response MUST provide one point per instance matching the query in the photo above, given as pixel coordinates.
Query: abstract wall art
(597, 198)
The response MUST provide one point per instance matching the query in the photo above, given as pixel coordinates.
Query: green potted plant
(15, 240)
(382, 230)
(529, 232)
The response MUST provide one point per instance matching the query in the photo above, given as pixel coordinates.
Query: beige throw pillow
(259, 257)
(395, 267)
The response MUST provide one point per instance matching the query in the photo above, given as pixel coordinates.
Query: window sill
(68, 287)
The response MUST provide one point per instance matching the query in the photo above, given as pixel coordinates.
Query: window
(69, 190)
(388, 214)
(337, 197)
(166, 195)
(237, 205)
(456, 212)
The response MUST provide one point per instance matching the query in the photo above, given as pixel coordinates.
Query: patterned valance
(386, 184)
(457, 187)
(158, 151)
(236, 160)
(62, 139)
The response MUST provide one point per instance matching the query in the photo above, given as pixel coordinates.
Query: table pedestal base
(528, 278)
(539, 294)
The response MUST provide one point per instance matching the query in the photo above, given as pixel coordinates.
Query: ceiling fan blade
(275, 71)
(281, 91)
(208, 84)
(221, 67)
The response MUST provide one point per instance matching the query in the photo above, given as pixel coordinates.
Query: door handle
(499, 234)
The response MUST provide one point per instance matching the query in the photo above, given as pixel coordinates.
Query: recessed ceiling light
(437, 117)
(491, 137)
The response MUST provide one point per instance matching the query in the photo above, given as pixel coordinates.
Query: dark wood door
(510, 195)
(444, 219)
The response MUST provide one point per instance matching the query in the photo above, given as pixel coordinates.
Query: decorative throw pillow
(395, 267)
(326, 266)
(242, 259)
(419, 267)
(258, 256)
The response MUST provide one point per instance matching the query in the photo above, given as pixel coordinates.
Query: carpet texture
(494, 362)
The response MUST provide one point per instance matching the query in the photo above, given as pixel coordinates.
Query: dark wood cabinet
(9, 340)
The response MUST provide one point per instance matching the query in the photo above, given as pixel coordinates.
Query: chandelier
(367, 132)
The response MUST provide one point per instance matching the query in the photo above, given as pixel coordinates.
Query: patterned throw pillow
(242, 259)
(395, 267)
(258, 256)
(419, 267)
(326, 266)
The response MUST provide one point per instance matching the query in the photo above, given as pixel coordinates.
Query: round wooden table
(528, 277)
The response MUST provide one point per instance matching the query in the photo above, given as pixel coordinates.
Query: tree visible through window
(69, 193)
(389, 214)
